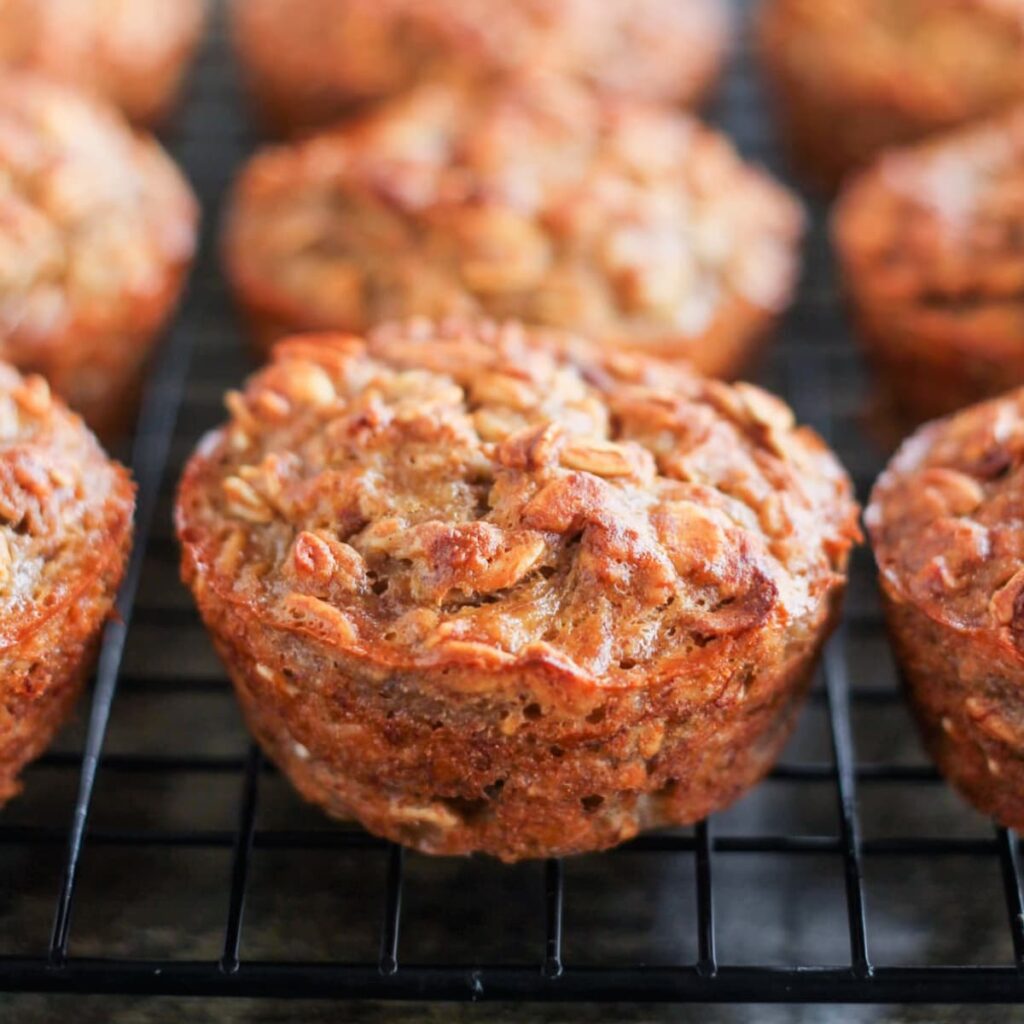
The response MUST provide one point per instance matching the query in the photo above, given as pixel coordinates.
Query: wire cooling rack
(153, 850)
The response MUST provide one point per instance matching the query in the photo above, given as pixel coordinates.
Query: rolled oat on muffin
(65, 530)
(309, 62)
(490, 589)
(131, 53)
(945, 523)
(930, 240)
(854, 77)
(98, 231)
(536, 200)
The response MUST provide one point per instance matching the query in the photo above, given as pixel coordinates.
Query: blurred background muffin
(133, 53)
(65, 531)
(931, 243)
(308, 61)
(854, 76)
(536, 199)
(98, 231)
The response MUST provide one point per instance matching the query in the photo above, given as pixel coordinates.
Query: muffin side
(536, 200)
(307, 63)
(854, 77)
(100, 232)
(945, 527)
(490, 590)
(931, 245)
(65, 531)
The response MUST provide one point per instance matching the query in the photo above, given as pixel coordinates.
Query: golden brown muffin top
(940, 59)
(945, 518)
(941, 223)
(537, 200)
(106, 46)
(92, 214)
(369, 49)
(64, 506)
(492, 496)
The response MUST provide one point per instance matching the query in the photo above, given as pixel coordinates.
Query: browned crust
(132, 53)
(945, 528)
(495, 726)
(65, 532)
(307, 63)
(650, 235)
(92, 342)
(929, 241)
(851, 78)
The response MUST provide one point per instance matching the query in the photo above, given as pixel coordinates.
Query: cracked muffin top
(940, 226)
(945, 518)
(490, 495)
(332, 53)
(92, 215)
(536, 200)
(130, 52)
(943, 60)
(64, 506)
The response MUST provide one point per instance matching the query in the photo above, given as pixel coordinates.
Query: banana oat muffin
(65, 529)
(133, 53)
(945, 522)
(491, 590)
(308, 62)
(931, 243)
(853, 77)
(536, 200)
(98, 230)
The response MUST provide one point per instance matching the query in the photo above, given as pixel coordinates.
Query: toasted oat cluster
(99, 228)
(931, 242)
(490, 589)
(307, 62)
(949, 540)
(132, 53)
(65, 528)
(856, 76)
(537, 200)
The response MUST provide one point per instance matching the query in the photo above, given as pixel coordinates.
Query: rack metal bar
(554, 897)
(229, 960)
(388, 960)
(837, 684)
(706, 960)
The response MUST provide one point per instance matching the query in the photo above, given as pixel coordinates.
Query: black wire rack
(155, 852)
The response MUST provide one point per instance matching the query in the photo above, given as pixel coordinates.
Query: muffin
(98, 232)
(490, 589)
(854, 77)
(132, 53)
(65, 529)
(931, 243)
(946, 528)
(309, 62)
(536, 200)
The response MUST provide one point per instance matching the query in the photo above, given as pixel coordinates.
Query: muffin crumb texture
(489, 589)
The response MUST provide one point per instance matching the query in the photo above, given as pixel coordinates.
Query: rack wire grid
(153, 828)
